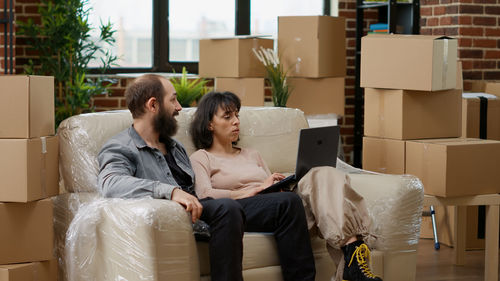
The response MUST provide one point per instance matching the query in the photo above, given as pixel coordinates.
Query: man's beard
(165, 124)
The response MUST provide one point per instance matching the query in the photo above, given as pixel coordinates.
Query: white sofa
(151, 239)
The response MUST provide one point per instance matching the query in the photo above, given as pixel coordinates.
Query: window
(194, 20)
(134, 30)
(163, 35)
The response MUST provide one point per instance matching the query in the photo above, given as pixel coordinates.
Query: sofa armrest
(131, 239)
(395, 206)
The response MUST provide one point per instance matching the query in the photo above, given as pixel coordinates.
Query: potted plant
(64, 47)
(276, 75)
(188, 91)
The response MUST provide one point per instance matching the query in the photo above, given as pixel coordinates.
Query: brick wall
(25, 9)
(476, 25)
(115, 98)
(3, 39)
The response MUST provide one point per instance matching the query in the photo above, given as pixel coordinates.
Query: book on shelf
(382, 1)
(379, 26)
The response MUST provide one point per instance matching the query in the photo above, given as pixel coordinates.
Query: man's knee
(230, 210)
(291, 201)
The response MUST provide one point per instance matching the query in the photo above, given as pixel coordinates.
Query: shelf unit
(402, 18)
(7, 19)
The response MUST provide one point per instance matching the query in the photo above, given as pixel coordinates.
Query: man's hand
(189, 202)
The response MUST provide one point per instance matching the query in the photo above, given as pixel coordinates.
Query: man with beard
(144, 161)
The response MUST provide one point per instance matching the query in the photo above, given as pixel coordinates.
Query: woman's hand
(249, 192)
(271, 180)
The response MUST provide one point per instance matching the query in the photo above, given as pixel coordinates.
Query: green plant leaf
(65, 49)
(188, 91)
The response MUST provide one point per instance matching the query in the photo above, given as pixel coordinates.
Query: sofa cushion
(272, 131)
(260, 251)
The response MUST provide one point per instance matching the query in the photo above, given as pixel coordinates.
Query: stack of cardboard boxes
(313, 50)
(480, 119)
(234, 66)
(413, 117)
(29, 176)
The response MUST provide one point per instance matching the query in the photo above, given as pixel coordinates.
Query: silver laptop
(317, 147)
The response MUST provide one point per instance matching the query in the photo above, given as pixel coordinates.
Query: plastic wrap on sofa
(395, 204)
(127, 239)
(66, 206)
(82, 138)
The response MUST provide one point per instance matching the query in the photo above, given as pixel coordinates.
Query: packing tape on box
(383, 159)
(445, 62)
(44, 144)
(424, 165)
(297, 65)
(483, 118)
(255, 44)
(43, 168)
(381, 114)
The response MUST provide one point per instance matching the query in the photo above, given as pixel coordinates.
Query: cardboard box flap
(443, 37)
(490, 87)
(231, 37)
(478, 95)
(410, 36)
(457, 141)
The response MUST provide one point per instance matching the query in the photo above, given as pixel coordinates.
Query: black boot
(356, 256)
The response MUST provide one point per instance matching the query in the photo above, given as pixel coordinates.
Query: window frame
(161, 49)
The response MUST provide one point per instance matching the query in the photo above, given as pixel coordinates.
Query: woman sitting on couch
(224, 170)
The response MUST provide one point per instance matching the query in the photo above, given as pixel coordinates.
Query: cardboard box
(26, 232)
(249, 90)
(318, 95)
(489, 87)
(33, 271)
(232, 57)
(27, 107)
(403, 114)
(29, 169)
(312, 46)
(410, 62)
(384, 155)
(460, 76)
(455, 167)
(471, 117)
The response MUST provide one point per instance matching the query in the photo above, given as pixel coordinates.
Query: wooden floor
(438, 265)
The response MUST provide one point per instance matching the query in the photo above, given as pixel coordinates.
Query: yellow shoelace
(362, 254)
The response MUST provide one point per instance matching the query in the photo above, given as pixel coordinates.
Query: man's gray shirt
(129, 168)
